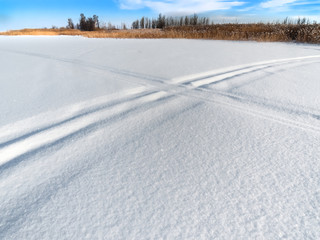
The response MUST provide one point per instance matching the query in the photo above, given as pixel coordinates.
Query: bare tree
(142, 23)
(96, 21)
(83, 22)
(135, 24)
(70, 24)
(88, 24)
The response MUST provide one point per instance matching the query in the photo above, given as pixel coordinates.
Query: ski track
(193, 86)
(76, 61)
(41, 194)
(12, 153)
(85, 112)
(294, 110)
(19, 145)
(210, 77)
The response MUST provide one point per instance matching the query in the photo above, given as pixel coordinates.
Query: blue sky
(17, 14)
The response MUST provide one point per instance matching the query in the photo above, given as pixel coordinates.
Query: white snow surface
(158, 139)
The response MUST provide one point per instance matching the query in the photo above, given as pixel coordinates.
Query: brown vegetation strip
(307, 33)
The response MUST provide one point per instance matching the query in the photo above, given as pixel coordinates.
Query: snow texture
(158, 139)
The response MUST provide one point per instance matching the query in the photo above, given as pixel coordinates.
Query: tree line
(163, 21)
(93, 23)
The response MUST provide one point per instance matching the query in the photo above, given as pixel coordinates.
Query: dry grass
(136, 33)
(132, 33)
(49, 32)
(308, 33)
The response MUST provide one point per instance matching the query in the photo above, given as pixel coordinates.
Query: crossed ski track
(157, 91)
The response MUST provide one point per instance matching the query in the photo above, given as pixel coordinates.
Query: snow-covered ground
(158, 139)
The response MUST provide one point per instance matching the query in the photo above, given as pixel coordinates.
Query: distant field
(306, 33)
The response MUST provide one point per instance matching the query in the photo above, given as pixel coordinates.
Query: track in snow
(15, 149)
(230, 153)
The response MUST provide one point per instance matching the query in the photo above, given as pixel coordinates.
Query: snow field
(152, 139)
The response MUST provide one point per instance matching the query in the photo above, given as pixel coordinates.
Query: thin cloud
(276, 3)
(306, 3)
(190, 6)
(247, 9)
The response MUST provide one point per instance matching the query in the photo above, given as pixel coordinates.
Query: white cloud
(186, 6)
(276, 3)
